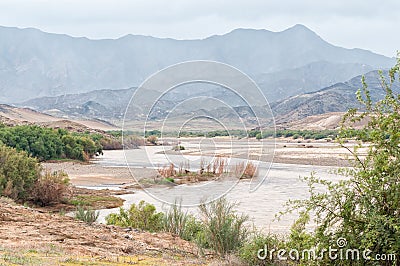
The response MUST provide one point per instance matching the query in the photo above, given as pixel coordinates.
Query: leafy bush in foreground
(221, 229)
(248, 252)
(180, 223)
(18, 173)
(142, 216)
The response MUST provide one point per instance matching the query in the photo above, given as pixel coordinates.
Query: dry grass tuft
(248, 170)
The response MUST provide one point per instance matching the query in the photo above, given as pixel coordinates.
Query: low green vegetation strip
(295, 134)
(258, 134)
(50, 144)
(96, 201)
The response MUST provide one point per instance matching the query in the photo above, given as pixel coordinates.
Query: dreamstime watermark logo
(196, 96)
(340, 252)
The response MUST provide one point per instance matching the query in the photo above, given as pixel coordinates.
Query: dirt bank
(28, 236)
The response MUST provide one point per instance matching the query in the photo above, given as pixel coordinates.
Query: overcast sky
(363, 24)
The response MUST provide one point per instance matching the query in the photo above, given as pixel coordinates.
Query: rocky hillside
(336, 98)
(110, 105)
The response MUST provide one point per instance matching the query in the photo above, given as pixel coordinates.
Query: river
(281, 184)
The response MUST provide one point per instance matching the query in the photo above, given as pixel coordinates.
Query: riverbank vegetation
(254, 133)
(23, 180)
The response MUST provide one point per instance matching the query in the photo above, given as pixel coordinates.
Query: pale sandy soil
(313, 153)
(89, 174)
(287, 151)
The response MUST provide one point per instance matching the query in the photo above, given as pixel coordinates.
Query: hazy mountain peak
(302, 31)
(299, 27)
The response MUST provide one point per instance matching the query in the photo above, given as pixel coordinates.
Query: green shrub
(193, 227)
(18, 173)
(296, 136)
(142, 216)
(180, 223)
(319, 136)
(288, 134)
(50, 188)
(80, 147)
(253, 133)
(87, 215)
(224, 231)
(174, 220)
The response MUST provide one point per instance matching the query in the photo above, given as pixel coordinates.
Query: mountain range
(336, 98)
(299, 73)
(110, 105)
(38, 64)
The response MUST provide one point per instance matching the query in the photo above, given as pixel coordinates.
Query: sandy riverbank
(91, 174)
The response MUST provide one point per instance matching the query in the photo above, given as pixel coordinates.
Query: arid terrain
(32, 237)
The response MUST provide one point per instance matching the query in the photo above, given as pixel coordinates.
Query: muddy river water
(280, 183)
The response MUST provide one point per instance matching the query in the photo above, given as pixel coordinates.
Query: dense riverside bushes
(48, 144)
